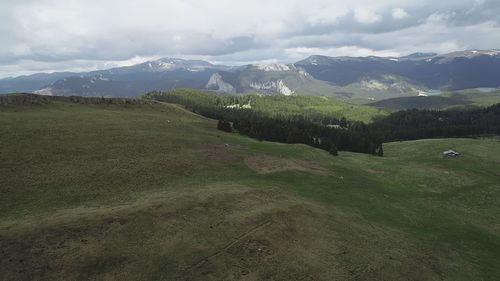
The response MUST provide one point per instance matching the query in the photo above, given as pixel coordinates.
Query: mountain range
(357, 79)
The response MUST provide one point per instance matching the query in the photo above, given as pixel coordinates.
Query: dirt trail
(229, 245)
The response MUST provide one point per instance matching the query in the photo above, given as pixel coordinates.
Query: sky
(83, 35)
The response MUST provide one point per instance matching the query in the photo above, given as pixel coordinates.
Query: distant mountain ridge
(30, 83)
(453, 71)
(363, 79)
(130, 81)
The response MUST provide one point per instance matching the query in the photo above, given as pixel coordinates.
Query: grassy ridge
(477, 97)
(153, 192)
(471, 98)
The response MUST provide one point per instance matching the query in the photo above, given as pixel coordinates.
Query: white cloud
(302, 52)
(398, 13)
(327, 15)
(364, 15)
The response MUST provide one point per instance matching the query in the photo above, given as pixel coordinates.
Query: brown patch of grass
(265, 164)
(377, 172)
(217, 153)
(223, 232)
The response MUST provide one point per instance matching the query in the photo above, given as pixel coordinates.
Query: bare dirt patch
(221, 153)
(377, 172)
(266, 164)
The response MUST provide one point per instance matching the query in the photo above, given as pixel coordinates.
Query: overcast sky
(77, 35)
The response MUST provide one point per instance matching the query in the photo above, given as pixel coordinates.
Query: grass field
(153, 192)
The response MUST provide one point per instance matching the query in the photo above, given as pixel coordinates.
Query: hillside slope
(271, 79)
(153, 192)
(446, 100)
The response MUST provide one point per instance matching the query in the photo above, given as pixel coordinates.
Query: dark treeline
(422, 124)
(334, 134)
(33, 99)
(296, 129)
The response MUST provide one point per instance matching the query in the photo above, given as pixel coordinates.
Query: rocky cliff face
(273, 67)
(217, 83)
(277, 86)
(283, 89)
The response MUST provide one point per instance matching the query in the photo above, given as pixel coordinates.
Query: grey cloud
(60, 35)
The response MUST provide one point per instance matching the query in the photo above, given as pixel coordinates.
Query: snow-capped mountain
(273, 67)
(165, 65)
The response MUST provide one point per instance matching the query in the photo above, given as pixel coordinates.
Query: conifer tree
(333, 150)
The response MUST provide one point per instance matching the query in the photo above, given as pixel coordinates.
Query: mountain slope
(271, 79)
(373, 88)
(163, 74)
(281, 79)
(31, 83)
(127, 85)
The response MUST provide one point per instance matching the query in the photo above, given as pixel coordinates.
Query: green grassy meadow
(154, 192)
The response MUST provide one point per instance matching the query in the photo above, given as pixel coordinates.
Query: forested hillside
(309, 106)
(323, 130)
(422, 124)
(315, 121)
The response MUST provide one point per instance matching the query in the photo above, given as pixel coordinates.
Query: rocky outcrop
(217, 83)
(283, 89)
(273, 67)
(278, 86)
(44, 92)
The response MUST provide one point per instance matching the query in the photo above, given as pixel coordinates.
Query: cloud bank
(59, 35)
